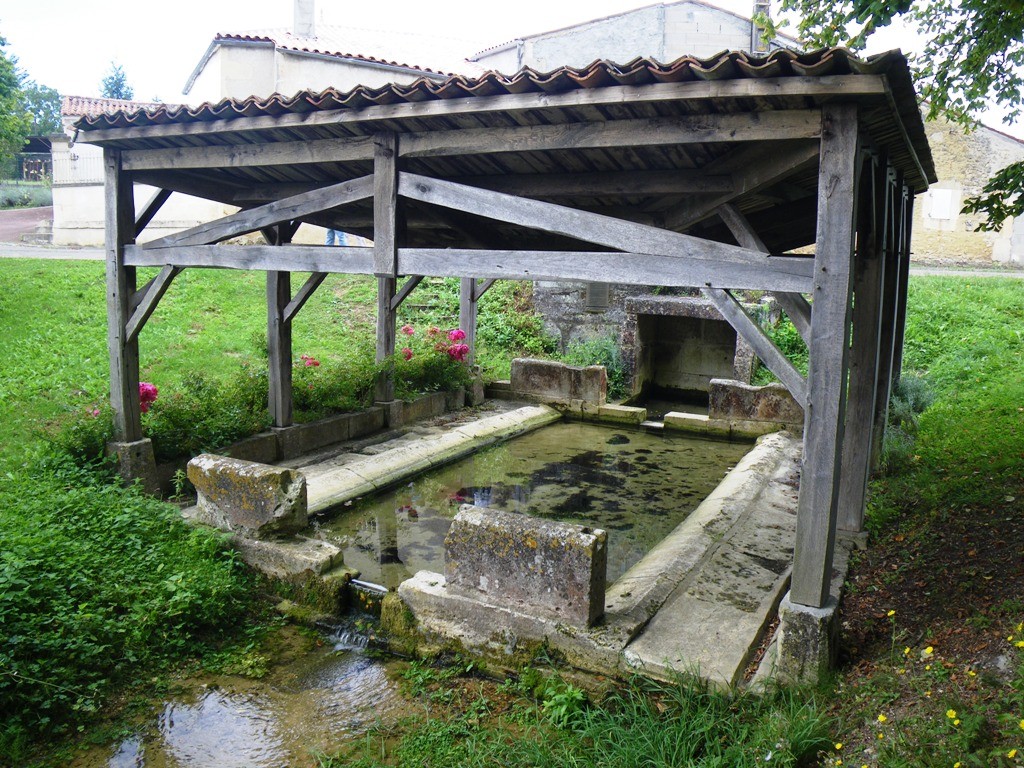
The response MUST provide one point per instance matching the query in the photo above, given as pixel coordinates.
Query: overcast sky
(69, 44)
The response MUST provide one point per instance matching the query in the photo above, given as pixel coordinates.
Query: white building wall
(702, 31)
(298, 72)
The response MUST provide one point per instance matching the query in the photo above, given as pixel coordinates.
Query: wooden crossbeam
(796, 307)
(582, 225)
(754, 169)
(483, 288)
(280, 211)
(405, 290)
(758, 340)
(150, 209)
(689, 129)
(841, 86)
(303, 295)
(679, 182)
(149, 297)
(352, 260)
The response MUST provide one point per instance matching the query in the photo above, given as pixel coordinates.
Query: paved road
(21, 221)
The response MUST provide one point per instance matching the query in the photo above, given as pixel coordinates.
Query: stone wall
(964, 162)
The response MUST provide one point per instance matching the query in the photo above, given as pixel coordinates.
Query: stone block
(262, 448)
(734, 401)
(250, 499)
(136, 461)
(366, 422)
(292, 557)
(807, 642)
(456, 399)
(306, 438)
(622, 414)
(559, 382)
(393, 412)
(557, 570)
(424, 407)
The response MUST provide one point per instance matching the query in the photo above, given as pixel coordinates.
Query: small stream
(317, 696)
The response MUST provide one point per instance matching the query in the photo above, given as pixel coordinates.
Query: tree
(974, 55)
(115, 84)
(14, 120)
(43, 104)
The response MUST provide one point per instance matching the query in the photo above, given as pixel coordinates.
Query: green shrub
(601, 351)
(98, 581)
(333, 386)
(25, 195)
(790, 343)
(910, 397)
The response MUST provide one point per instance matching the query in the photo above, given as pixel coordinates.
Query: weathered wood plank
(582, 225)
(150, 209)
(121, 283)
(351, 260)
(868, 289)
(794, 305)
(901, 298)
(248, 155)
(828, 365)
(272, 214)
(680, 182)
(690, 129)
(468, 314)
(298, 301)
(385, 205)
(384, 389)
(153, 291)
(279, 348)
(403, 293)
(600, 267)
(693, 129)
(848, 86)
(767, 168)
(758, 340)
(483, 287)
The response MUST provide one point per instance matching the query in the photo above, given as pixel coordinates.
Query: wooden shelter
(791, 173)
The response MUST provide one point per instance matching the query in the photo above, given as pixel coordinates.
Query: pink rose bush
(147, 395)
(432, 359)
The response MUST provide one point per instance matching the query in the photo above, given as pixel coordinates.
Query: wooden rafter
(150, 209)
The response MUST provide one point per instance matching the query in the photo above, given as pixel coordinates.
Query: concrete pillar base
(394, 412)
(135, 461)
(807, 641)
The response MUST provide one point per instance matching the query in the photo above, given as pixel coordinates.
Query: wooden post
(868, 289)
(887, 331)
(385, 253)
(279, 348)
(829, 352)
(467, 314)
(901, 298)
(121, 285)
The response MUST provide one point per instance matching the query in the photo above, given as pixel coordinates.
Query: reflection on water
(636, 485)
(316, 700)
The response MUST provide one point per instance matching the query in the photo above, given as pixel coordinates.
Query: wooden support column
(829, 352)
(887, 331)
(279, 338)
(868, 288)
(121, 285)
(385, 254)
(901, 298)
(467, 314)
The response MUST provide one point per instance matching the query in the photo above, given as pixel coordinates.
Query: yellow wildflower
(1019, 643)
(906, 651)
(839, 745)
(929, 651)
(956, 722)
(1021, 724)
(882, 718)
(972, 673)
(881, 735)
(951, 714)
(1011, 754)
(890, 614)
(956, 764)
(927, 667)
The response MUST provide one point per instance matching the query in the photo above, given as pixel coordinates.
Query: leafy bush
(602, 351)
(206, 414)
(790, 343)
(22, 195)
(97, 581)
(910, 397)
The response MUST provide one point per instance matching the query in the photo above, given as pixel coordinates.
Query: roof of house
(545, 33)
(391, 49)
(92, 106)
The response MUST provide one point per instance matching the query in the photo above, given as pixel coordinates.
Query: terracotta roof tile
(91, 106)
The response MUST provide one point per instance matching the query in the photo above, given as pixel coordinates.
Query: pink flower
(456, 334)
(96, 411)
(147, 396)
(408, 330)
(309, 361)
(433, 331)
(407, 353)
(458, 351)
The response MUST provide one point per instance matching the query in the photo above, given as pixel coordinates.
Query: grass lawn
(932, 668)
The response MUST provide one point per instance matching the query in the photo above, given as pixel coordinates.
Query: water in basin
(636, 485)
